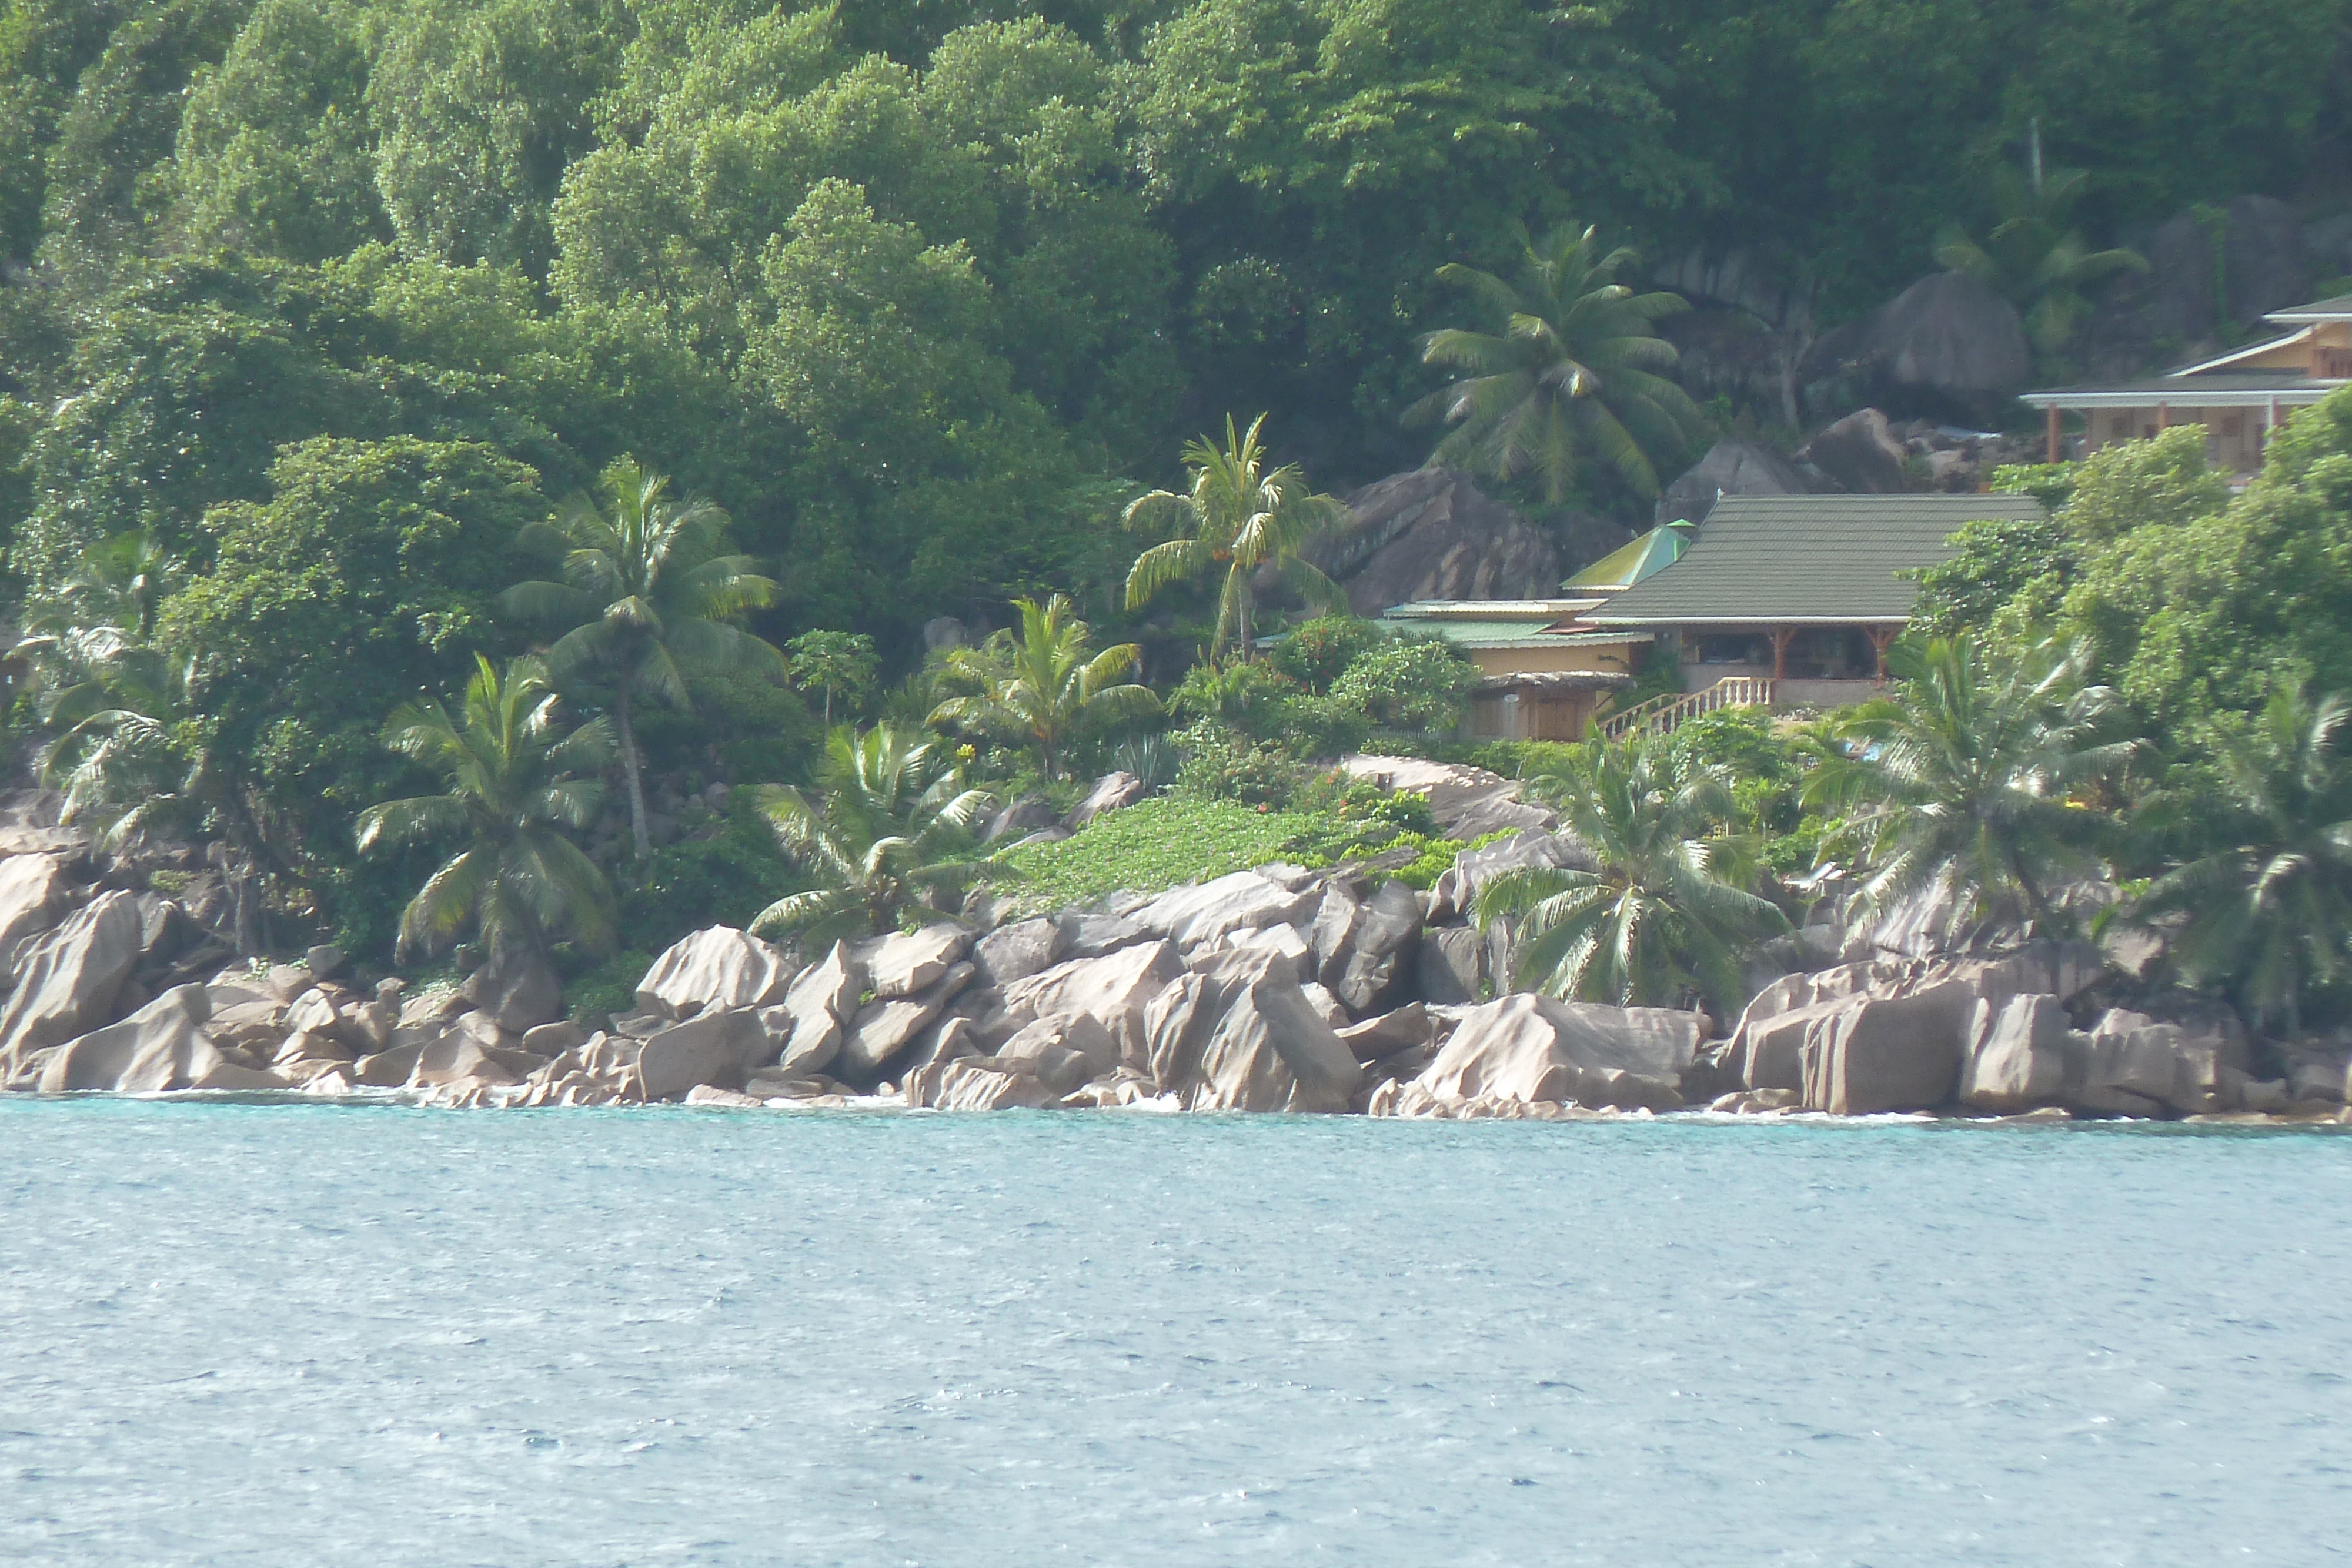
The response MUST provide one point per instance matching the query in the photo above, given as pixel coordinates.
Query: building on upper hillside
(1799, 591)
(1544, 669)
(2239, 397)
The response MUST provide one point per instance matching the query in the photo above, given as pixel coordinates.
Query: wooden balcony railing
(1664, 715)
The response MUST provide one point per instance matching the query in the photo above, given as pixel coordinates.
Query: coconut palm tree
(645, 596)
(516, 780)
(1042, 684)
(1970, 776)
(1574, 375)
(890, 820)
(1236, 514)
(2269, 916)
(2035, 257)
(1671, 906)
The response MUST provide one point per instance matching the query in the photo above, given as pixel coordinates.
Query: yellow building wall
(1616, 658)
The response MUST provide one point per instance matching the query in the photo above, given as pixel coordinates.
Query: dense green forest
(318, 314)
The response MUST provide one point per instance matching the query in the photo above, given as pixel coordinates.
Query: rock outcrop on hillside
(1732, 466)
(1434, 534)
(1947, 345)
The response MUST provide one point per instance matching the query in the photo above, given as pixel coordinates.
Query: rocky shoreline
(1280, 990)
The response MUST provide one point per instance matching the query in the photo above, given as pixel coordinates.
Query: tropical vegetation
(516, 776)
(1568, 375)
(1041, 683)
(648, 593)
(767, 367)
(889, 827)
(1240, 517)
(1670, 909)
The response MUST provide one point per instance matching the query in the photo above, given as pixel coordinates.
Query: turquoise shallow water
(306, 1336)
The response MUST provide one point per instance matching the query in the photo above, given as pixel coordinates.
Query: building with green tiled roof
(1806, 590)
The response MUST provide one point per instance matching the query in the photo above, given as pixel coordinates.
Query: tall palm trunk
(630, 773)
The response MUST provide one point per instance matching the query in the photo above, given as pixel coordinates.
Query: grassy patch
(1165, 842)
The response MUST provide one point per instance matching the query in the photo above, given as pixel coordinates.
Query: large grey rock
(1434, 534)
(1457, 892)
(1044, 1040)
(2145, 1058)
(1030, 814)
(1280, 950)
(805, 1045)
(1244, 901)
(2262, 267)
(1860, 453)
(1113, 989)
(1532, 1048)
(905, 962)
(67, 979)
(1177, 1024)
(518, 987)
(1887, 1053)
(976, 1085)
(1364, 951)
(1271, 1053)
(465, 1059)
(714, 1047)
(1377, 1039)
(1952, 338)
(716, 967)
(1731, 468)
(1017, 951)
(1452, 968)
(1468, 802)
(160, 1047)
(1112, 792)
(35, 892)
(1094, 934)
(832, 986)
(887, 1026)
(1767, 1047)
(882, 1028)
(2017, 1055)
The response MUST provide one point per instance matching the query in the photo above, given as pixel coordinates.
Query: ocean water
(310, 1336)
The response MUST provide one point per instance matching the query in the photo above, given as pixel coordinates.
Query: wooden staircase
(1664, 715)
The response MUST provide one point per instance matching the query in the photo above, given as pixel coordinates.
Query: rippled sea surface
(305, 1336)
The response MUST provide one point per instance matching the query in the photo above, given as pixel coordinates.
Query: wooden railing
(1664, 715)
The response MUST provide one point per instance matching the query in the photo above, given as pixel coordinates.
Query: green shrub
(724, 879)
(1223, 764)
(611, 986)
(1317, 653)
(1423, 685)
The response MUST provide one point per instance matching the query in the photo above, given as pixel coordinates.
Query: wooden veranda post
(1782, 637)
(1881, 639)
(2054, 440)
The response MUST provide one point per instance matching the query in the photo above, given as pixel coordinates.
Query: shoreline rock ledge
(1277, 989)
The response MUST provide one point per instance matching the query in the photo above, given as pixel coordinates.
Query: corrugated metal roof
(1542, 610)
(1520, 634)
(1794, 560)
(2333, 310)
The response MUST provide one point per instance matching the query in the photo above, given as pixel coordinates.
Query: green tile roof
(1792, 559)
(1622, 568)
